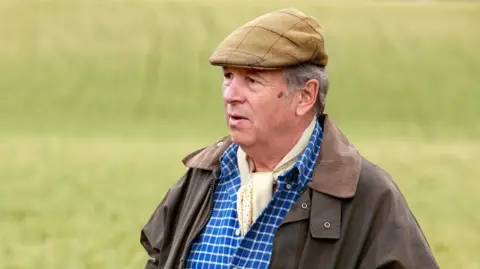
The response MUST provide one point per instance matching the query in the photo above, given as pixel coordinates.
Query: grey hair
(298, 75)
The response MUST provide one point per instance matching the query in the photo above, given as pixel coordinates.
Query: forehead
(251, 71)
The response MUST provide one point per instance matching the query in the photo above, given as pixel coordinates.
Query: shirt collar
(245, 163)
(336, 171)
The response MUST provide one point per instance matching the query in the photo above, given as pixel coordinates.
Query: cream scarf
(257, 187)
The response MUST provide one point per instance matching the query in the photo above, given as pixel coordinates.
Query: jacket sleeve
(160, 225)
(395, 240)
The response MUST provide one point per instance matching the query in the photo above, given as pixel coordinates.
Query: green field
(99, 101)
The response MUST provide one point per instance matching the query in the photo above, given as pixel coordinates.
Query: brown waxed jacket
(352, 215)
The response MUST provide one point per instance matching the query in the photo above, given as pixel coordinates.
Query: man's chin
(240, 138)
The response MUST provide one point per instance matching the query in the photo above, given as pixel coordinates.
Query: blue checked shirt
(220, 244)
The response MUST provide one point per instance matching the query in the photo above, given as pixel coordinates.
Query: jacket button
(304, 205)
(326, 225)
(152, 259)
(219, 143)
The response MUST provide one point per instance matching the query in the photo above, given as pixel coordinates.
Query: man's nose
(233, 93)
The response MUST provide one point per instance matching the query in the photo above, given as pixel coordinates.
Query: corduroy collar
(338, 165)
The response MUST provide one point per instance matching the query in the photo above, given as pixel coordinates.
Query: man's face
(256, 105)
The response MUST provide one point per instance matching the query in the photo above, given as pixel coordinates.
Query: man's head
(274, 76)
(260, 104)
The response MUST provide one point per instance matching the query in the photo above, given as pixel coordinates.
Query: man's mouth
(237, 117)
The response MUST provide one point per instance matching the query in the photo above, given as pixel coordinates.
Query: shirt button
(237, 232)
(289, 186)
(304, 205)
(326, 225)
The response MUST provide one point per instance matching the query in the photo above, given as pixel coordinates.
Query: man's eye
(228, 76)
(251, 80)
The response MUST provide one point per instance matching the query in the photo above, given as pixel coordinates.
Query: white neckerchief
(257, 187)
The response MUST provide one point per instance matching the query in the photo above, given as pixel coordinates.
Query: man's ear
(307, 97)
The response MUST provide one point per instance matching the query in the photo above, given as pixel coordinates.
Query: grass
(78, 202)
(99, 101)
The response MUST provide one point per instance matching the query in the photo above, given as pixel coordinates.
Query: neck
(267, 155)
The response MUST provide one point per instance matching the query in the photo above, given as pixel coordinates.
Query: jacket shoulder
(185, 198)
(375, 181)
(379, 196)
(208, 158)
(393, 236)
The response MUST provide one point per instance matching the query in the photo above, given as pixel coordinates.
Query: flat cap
(275, 40)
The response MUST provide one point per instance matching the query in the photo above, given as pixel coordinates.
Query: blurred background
(100, 100)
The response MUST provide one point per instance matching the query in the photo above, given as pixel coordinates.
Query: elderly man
(285, 189)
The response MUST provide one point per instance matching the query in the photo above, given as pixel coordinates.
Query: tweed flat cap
(273, 41)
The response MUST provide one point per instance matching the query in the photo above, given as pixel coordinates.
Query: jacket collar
(338, 165)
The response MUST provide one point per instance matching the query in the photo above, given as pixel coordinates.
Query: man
(285, 189)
